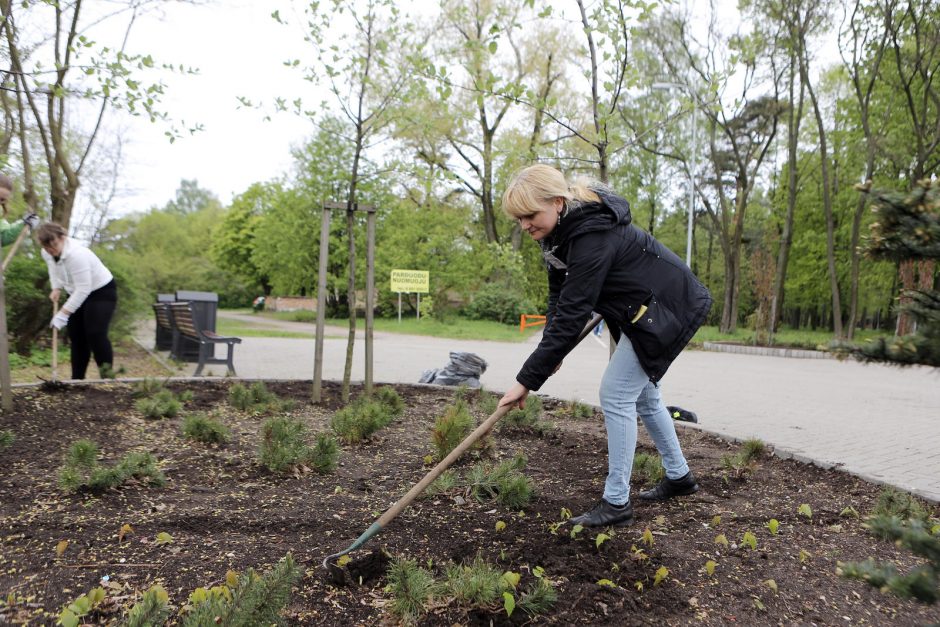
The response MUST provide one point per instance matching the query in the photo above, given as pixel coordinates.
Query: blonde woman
(92, 297)
(599, 261)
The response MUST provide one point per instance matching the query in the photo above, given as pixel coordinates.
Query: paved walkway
(879, 422)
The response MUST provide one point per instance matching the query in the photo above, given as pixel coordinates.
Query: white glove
(31, 220)
(59, 321)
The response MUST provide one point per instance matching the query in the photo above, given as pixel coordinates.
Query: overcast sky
(239, 51)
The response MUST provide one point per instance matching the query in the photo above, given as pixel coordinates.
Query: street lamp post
(692, 165)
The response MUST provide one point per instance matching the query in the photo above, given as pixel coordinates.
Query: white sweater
(78, 271)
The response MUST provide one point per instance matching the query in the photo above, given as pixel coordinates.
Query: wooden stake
(370, 294)
(321, 305)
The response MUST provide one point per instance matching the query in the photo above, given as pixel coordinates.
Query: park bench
(165, 326)
(186, 326)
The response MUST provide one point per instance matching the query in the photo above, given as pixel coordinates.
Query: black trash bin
(164, 338)
(205, 305)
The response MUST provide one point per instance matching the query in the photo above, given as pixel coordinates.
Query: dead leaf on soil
(60, 547)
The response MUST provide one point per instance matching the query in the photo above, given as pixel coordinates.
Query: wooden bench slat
(185, 322)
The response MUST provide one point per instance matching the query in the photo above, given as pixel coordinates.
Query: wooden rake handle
(16, 245)
(443, 465)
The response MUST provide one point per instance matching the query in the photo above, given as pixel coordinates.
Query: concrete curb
(768, 351)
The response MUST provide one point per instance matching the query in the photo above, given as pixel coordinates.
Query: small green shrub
(387, 396)
(452, 428)
(578, 410)
(325, 454)
(447, 481)
(257, 399)
(203, 429)
(539, 598)
(899, 504)
(284, 446)
(752, 450)
(504, 483)
(82, 471)
(527, 419)
(163, 404)
(360, 419)
(283, 443)
(82, 454)
(488, 402)
(256, 599)
(648, 467)
(742, 462)
(498, 302)
(412, 589)
(146, 387)
(478, 584)
(6, 438)
(152, 609)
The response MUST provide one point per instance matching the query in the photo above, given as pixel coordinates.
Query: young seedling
(661, 574)
(749, 540)
(773, 525)
(6, 439)
(805, 510)
(201, 428)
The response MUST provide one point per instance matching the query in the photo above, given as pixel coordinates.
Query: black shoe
(604, 514)
(669, 488)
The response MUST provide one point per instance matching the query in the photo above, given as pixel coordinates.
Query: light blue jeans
(625, 392)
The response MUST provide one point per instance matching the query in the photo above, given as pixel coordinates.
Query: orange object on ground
(524, 321)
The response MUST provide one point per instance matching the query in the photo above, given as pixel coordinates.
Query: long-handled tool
(329, 562)
(16, 244)
(55, 345)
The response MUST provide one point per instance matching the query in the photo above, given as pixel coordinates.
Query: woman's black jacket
(599, 261)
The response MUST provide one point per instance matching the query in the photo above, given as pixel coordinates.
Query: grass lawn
(460, 328)
(456, 328)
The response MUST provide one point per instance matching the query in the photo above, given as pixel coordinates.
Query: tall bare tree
(55, 64)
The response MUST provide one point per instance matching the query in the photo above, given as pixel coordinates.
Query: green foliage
(446, 481)
(908, 229)
(487, 402)
(256, 399)
(476, 585)
(527, 419)
(28, 309)
(539, 599)
(151, 611)
(902, 505)
(254, 599)
(283, 444)
(411, 587)
(189, 222)
(82, 454)
(745, 459)
(325, 453)
(451, 428)
(578, 410)
(146, 387)
(7, 438)
(73, 613)
(922, 582)
(387, 396)
(360, 419)
(82, 471)
(500, 303)
(505, 483)
(203, 429)
(648, 467)
(163, 404)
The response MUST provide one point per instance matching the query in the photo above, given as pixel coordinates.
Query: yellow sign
(410, 281)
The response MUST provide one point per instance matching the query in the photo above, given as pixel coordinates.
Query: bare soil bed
(225, 512)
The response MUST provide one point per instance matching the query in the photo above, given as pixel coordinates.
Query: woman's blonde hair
(49, 232)
(532, 187)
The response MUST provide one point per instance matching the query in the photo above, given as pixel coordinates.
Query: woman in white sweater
(92, 297)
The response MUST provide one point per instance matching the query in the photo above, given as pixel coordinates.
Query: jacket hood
(611, 211)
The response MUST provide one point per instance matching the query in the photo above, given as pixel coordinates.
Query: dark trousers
(88, 330)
